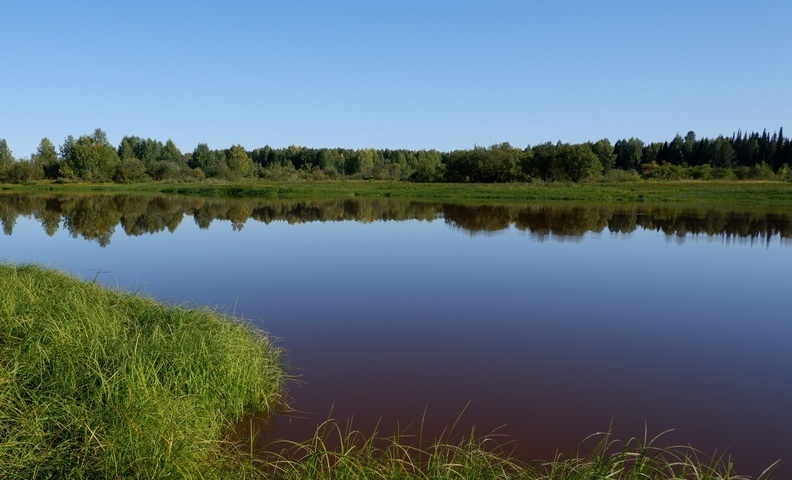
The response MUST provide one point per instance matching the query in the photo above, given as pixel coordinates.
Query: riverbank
(96, 383)
(753, 194)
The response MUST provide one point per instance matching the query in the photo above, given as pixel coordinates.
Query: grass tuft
(96, 383)
(338, 452)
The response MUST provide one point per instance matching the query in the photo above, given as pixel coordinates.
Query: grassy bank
(96, 383)
(771, 194)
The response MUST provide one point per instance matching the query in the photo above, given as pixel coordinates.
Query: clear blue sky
(392, 74)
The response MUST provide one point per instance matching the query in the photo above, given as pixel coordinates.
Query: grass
(96, 383)
(775, 194)
(337, 452)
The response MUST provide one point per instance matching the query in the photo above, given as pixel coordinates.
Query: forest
(92, 158)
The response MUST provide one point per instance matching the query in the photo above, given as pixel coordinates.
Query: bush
(130, 170)
(619, 175)
(761, 171)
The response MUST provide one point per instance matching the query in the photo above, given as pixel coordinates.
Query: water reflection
(556, 321)
(96, 217)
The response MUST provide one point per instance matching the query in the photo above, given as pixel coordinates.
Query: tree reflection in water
(96, 217)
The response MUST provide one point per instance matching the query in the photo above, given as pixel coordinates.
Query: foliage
(752, 156)
(130, 170)
(6, 159)
(90, 157)
(46, 157)
(24, 171)
(239, 163)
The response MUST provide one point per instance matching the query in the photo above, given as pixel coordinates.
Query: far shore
(776, 195)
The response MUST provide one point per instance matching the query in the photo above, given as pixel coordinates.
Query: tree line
(91, 158)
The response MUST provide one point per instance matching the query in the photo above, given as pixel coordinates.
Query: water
(542, 323)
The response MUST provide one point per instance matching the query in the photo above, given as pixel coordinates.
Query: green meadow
(737, 194)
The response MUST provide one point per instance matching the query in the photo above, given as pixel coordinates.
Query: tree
(428, 167)
(6, 159)
(126, 150)
(47, 158)
(543, 163)
(500, 165)
(579, 162)
(722, 153)
(170, 153)
(208, 161)
(238, 162)
(651, 152)
(45, 153)
(360, 162)
(604, 151)
(628, 154)
(90, 157)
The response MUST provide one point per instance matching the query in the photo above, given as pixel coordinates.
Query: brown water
(544, 323)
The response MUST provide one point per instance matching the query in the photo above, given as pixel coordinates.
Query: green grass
(96, 383)
(775, 194)
(337, 452)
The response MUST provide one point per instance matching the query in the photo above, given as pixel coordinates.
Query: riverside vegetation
(97, 383)
(103, 384)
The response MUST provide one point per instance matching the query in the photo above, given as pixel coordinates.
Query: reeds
(338, 452)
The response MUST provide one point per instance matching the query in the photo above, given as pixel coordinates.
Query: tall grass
(742, 194)
(97, 383)
(338, 452)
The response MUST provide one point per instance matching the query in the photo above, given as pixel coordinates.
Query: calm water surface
(548, 323)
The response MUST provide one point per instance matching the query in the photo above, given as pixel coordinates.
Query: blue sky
(406, 74)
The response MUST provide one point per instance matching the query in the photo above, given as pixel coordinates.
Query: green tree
(603, 149)
(544, 163)
(723, 154)
(331, 160)
(170, 153)
(208, 161)
(46, 157)
(501, 164)
(651, 152)
(628, 153)
(6, 159)
(239, 162)
(427, 167)
(579, 162)
(90, 157)
(148, 151)
(677, 151)
(126, 150)
(45, 153)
